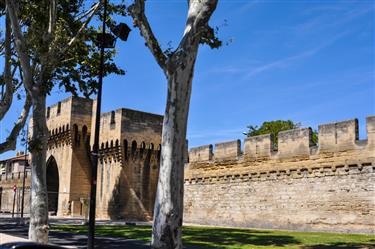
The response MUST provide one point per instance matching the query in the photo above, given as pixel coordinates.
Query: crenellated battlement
(129, 158)
(297, 143)
(129, 134)
(297, 185)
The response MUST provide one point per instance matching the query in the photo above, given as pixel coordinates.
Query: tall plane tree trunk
(38, 63)
(179, 69)
(38, 230)
(168, 209)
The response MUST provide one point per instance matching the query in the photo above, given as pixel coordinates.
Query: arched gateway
(52, 185)
(127, 173)
(68, 167)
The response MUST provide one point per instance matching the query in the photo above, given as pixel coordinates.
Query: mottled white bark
(38, 230)
(11, 141)
(21, 48)
(168, 210)
(35, 82)
(179, 70)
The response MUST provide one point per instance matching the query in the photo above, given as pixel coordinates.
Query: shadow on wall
(125, 203)
(116, 203)
(130, 198)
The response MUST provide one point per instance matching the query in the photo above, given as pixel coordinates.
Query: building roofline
(15, 158)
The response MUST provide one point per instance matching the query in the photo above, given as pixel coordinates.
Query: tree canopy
(63, 51)
(52, 43)
(59, 49)
(274, 127)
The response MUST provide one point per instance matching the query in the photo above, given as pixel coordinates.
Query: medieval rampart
(8, 196)
(129, 163)
(301, 186)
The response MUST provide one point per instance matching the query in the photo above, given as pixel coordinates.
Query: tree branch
(20, 45)
(7, 97)
(137, 11)
(58, 55)
(11, 141)
(93, 10)
(52, 17)
(196, 27)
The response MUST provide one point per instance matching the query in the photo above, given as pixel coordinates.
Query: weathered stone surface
(301, 187)
(294, 143)
(202, 153)
(258, 146)
(129, 164)
(128, 167)
(342, 203)
(7, 194)
(228, 150)
(339, 136)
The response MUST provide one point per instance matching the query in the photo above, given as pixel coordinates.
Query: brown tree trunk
(38, 230)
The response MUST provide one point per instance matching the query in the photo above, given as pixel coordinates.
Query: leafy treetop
(274, 127)
(70, 65)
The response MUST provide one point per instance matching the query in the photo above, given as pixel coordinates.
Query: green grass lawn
(235, 238)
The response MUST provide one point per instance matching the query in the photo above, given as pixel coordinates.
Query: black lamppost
(106, 40)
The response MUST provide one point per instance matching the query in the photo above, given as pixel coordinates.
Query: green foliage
(235, 238)
(274, 127)
(75, 69)
(211, 39)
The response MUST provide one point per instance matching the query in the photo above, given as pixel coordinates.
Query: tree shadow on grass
(217, 238)
(131, 232)
(221, 238)
(341, 246)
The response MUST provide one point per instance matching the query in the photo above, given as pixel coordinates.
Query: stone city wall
(129, 155)
(7, 194)
(128, 166)
(301, 186)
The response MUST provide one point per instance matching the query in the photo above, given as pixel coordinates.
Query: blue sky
(308, 61)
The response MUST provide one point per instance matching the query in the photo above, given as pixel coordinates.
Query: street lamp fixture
(121, 31)
(108, 40)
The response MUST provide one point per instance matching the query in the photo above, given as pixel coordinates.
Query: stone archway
(52, 185)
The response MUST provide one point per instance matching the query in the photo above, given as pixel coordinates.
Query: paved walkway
(10, 231)
(6, 238)
(73, 221)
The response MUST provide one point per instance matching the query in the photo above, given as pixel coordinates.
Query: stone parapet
(297, 143)
(299, 186)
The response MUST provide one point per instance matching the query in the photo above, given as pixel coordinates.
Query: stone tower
(128, 164)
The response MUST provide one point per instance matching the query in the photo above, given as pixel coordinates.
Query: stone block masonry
(302, 186)
(128, 162)
(7, 181)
